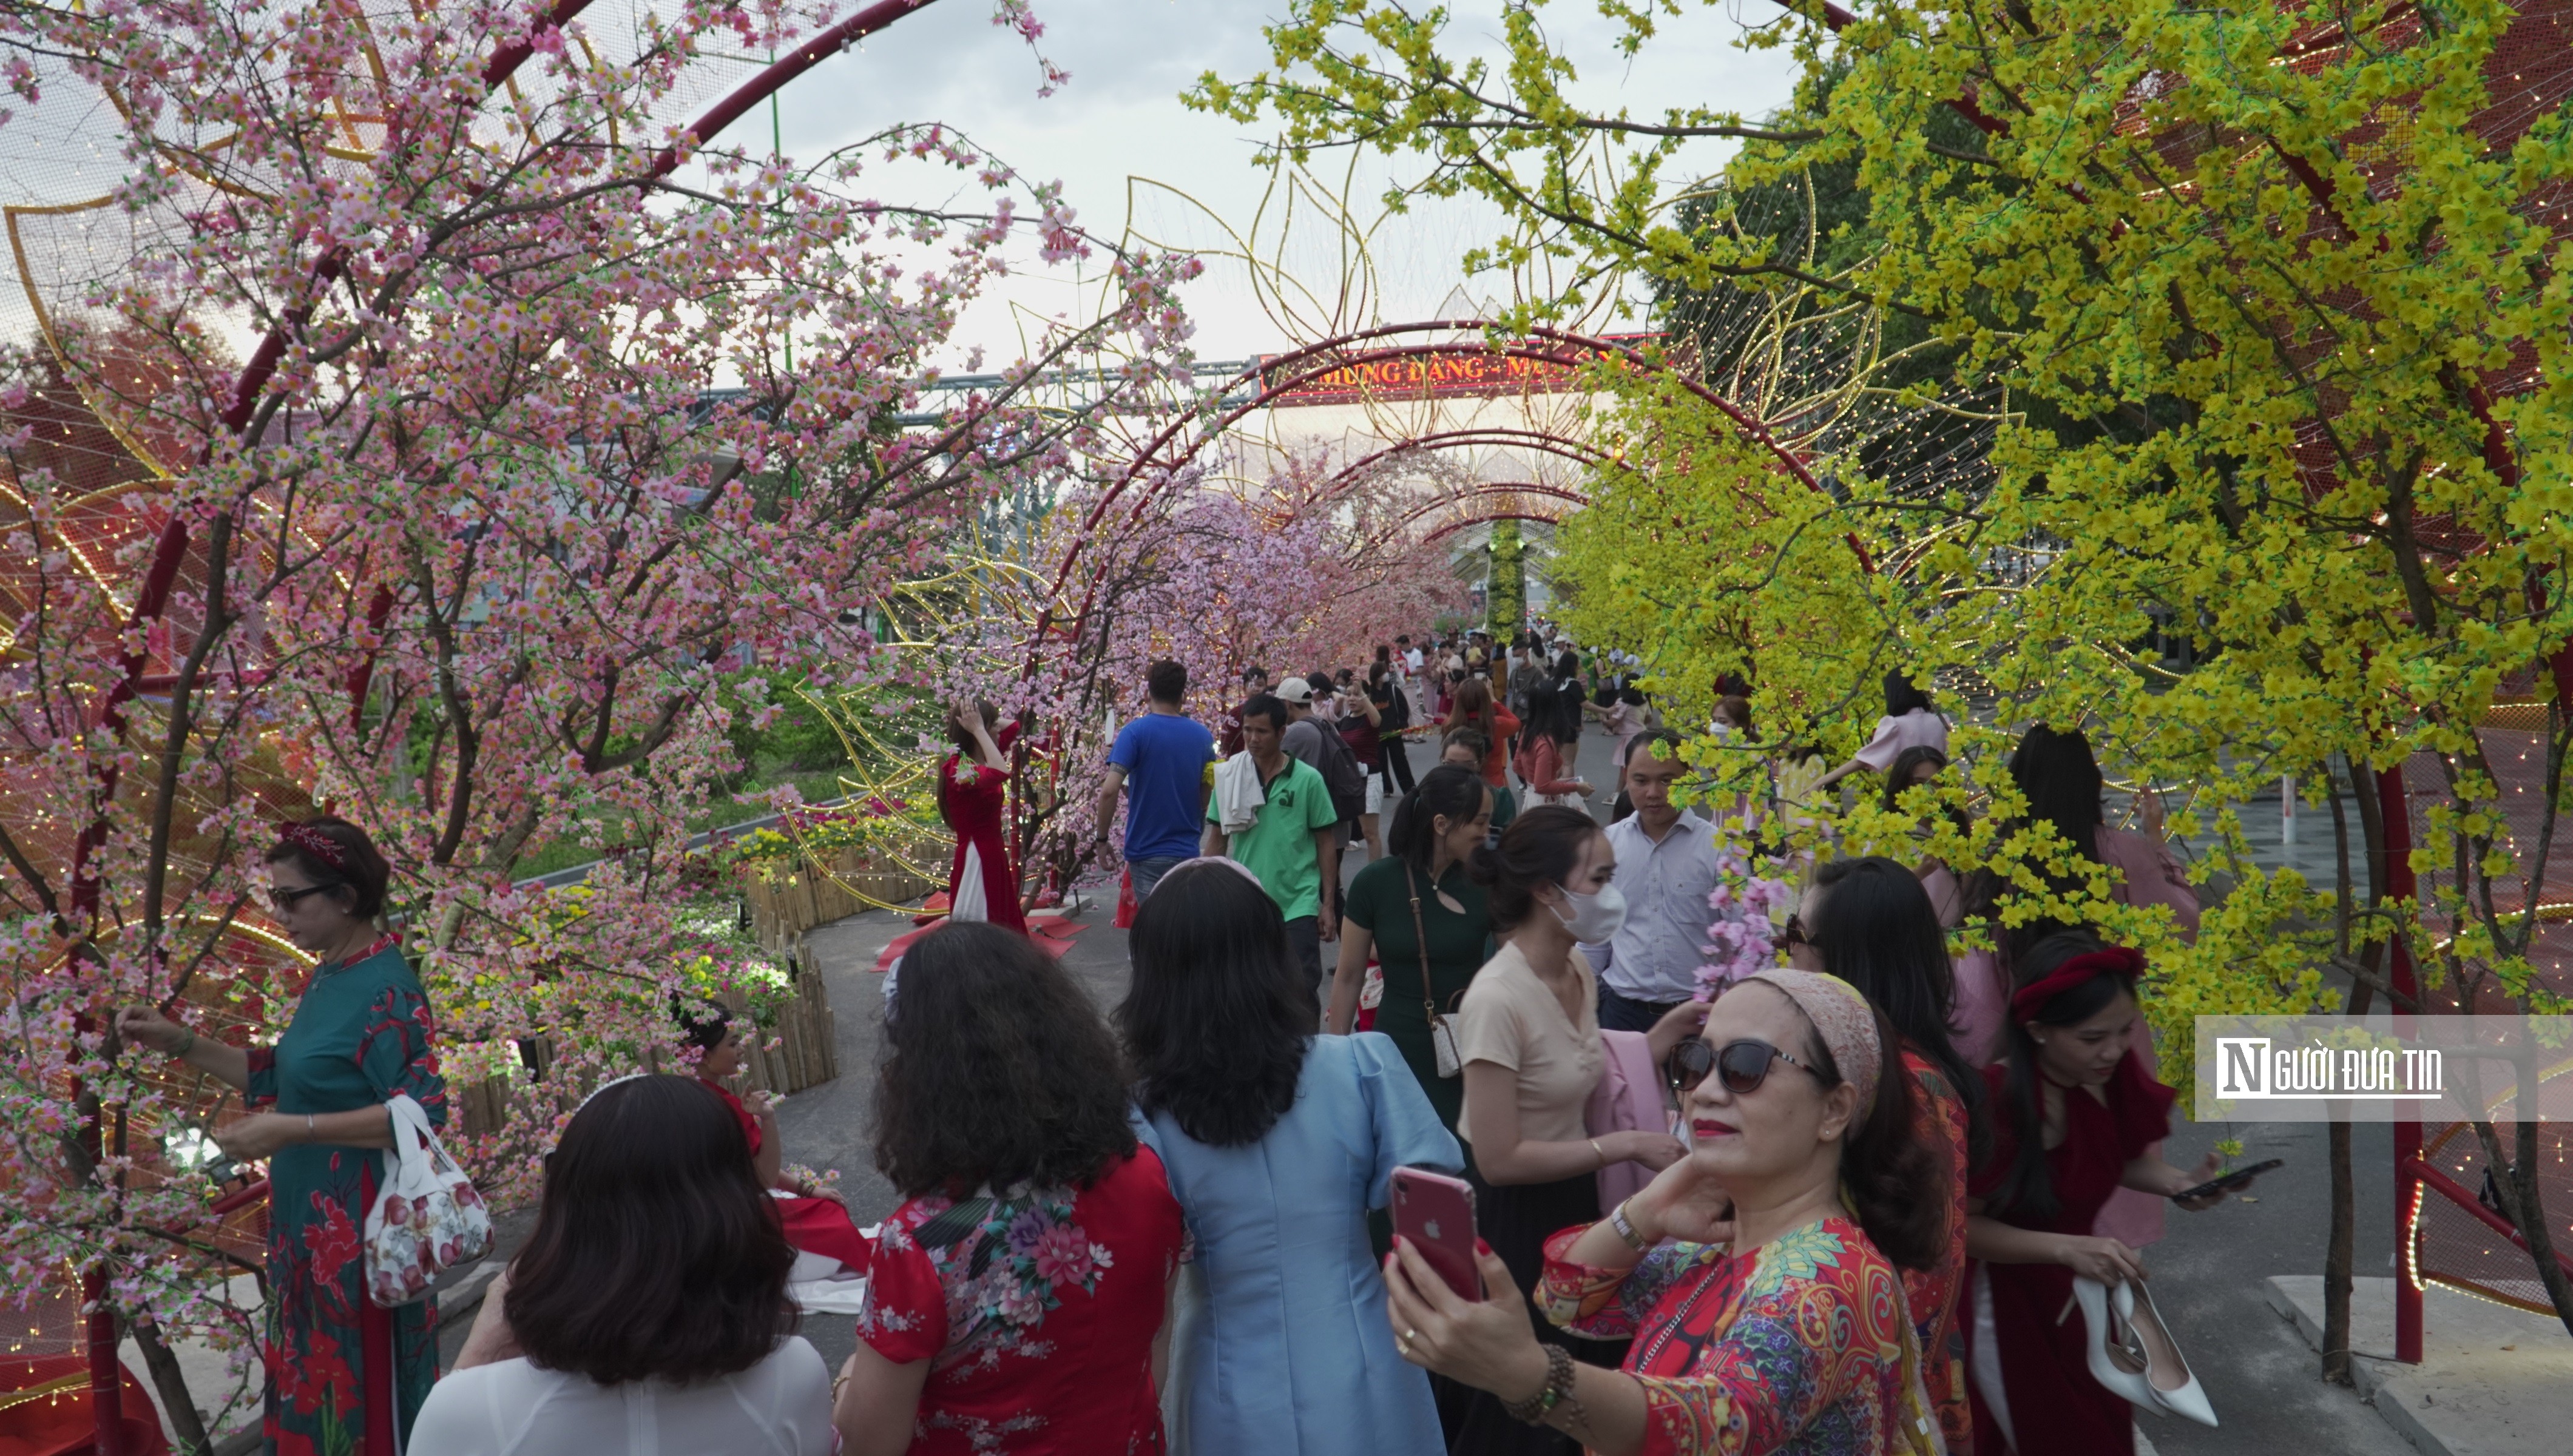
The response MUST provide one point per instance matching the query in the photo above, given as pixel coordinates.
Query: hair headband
(315, 843)
(1237, 866)
(2089, 966)
(1844, 1020)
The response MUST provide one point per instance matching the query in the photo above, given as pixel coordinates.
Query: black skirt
(1516, 1220)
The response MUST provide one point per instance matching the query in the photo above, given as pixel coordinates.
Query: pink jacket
(1628, 1096)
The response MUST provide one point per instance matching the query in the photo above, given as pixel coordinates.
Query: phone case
(1436, 1214)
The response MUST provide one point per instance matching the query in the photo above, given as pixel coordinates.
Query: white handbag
(426, 1217)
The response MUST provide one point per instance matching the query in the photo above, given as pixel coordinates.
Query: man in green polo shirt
(1293, 846)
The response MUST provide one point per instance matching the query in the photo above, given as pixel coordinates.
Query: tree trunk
(2340, 1247)
(173, 1385)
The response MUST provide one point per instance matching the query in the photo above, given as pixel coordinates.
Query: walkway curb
(2493, 1381)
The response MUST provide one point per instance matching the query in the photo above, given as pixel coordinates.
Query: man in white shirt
(1665, 868)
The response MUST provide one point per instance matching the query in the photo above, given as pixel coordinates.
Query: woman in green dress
(344, 1375)
(1435, 827)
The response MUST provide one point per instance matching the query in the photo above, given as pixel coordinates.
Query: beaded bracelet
(1558, 1384)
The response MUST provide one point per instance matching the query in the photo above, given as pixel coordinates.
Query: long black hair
(656, 1253)
(1538, 849)
(1902, 695)
(1218, 1015)
(1000, 1071)
(1450, 789)
(1883, 1165)
(2061, 780)
(2026, 1191)
(1878, 931)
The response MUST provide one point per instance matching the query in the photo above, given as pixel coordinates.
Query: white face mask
(1594, 918)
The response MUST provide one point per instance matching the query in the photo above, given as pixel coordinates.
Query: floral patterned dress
(1802, 1347)
(1939, 1120)
(1035, 1311)
(344, 1375)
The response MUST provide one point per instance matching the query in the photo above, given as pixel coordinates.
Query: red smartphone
(1436, 1214)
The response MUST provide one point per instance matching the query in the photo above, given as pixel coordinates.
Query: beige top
(1512, 1018)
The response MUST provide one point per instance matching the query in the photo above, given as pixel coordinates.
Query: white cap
(1295, 690)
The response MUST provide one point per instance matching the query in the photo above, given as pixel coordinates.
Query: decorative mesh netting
(2454, 1248)
(2449, 1244)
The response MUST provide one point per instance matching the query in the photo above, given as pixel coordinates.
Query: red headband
(2029, 1000)
(315, 843)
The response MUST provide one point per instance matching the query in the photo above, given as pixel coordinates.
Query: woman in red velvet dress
(2076, 1118)
(973, 796)
(817, 1223)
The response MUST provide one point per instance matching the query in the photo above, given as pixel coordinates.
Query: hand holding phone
(1435, 1214)
(2234, 1182)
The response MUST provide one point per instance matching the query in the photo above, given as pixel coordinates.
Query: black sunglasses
(1742, 1065)
(285, 899)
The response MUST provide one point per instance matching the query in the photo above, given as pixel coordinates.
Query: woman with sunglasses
(360, 1036)
(1528, 1036)
(1870, 922)
(1757, 1277)
(2078, 1118)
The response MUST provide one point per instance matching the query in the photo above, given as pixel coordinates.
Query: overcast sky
(1130, 155)
(1126, 148)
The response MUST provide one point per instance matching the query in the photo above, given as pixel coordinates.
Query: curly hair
(1218, 1015)
(999, 1070)
(656, 1255)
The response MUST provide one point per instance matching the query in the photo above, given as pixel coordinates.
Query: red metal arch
(1169, 452)
(1501, 489)
(1502, 436)
(1486, 518)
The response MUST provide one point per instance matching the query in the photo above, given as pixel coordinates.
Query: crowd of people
(1850, 1204)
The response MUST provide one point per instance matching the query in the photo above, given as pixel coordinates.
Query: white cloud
(1128, 153)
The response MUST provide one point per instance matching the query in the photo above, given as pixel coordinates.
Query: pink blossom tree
(463, 547)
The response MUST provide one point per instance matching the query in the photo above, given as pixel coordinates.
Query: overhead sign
(1429, 370)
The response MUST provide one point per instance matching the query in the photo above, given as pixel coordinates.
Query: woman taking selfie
(1014, 1295)
(1765, 1315)
(1529, 1038)
(648, 1312)
(1870, 922)
(1420, 889)
(2077, 1117)
(360, 1036)
(1278, 1143)
(972, 800)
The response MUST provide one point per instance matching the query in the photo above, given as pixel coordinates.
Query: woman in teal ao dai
(344, 1375)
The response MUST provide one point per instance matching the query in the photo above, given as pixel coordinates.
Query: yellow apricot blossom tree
(2273, 302)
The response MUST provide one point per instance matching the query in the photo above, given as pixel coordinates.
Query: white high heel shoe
(2118, 1359)
(2174, 1390)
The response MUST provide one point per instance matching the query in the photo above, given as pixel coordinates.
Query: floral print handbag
(428, 1217)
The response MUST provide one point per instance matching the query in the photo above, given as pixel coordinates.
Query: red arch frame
(1167, 453)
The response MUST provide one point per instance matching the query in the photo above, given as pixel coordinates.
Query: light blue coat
(1280, 1347)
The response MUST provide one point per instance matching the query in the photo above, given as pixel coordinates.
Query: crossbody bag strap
(1429, 997)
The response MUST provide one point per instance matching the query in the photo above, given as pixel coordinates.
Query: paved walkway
(2210, 1270)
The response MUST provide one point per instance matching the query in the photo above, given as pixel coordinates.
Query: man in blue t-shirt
(1160, 760)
